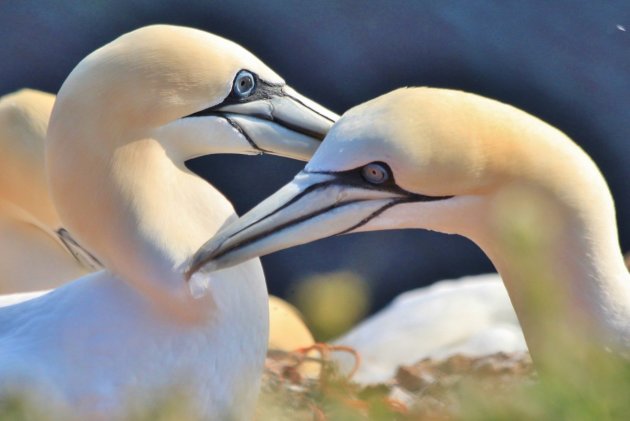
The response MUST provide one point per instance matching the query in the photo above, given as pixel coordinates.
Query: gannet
(458, 163)
(33, 254)
(36, 252)
(123, 124)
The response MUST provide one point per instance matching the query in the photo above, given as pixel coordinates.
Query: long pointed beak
(286, 124)
(312, 206)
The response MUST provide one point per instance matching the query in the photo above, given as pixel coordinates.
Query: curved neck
(140, 214)
(556, 248)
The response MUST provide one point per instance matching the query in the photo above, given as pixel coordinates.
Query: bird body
(126, 343)
(123, 124)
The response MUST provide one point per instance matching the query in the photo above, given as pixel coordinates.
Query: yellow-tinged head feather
(158, 73)
(443, 142)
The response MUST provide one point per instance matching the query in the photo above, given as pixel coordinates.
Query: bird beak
(314, 205)
(285, 123)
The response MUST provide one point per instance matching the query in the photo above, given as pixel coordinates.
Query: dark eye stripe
(355, 178)
(264, 90)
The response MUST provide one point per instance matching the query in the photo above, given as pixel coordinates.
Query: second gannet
(124, 122)
(459, 163)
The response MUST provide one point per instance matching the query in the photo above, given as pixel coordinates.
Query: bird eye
(244, 84)
(375, 173)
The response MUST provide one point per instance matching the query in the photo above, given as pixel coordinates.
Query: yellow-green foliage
(332, 303)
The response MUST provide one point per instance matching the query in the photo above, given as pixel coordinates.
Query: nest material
(428, 390)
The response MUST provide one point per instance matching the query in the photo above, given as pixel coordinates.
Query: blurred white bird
(471, 316)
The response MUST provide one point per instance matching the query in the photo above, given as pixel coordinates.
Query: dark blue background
(566, 62)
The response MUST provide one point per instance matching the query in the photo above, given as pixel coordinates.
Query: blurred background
(567, 62)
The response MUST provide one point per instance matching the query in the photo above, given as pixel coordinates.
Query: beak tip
(198, 285)
(202, 263)
(188, 273)
(196, 265)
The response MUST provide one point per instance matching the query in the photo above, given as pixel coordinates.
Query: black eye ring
(244, 84)
(375, 173)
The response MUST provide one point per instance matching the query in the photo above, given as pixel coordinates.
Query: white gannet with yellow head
(124, 122)
(459, 163)
(35, 251)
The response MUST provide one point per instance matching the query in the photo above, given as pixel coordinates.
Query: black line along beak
(277, 120)
(314, 205)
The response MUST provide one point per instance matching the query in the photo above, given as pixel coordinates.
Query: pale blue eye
(375, 173)
(244, 84)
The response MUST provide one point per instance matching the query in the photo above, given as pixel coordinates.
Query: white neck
(553, 238)
(143, 215)
(546, 219)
